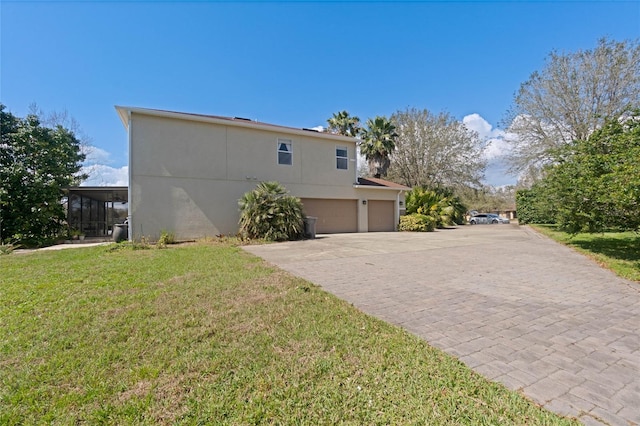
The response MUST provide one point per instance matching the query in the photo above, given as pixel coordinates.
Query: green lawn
(618, 251)
(208, 334)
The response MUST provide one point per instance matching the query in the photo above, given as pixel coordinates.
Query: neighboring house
(188, 171)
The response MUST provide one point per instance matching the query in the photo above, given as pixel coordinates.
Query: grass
(208, 334)
(617, 251)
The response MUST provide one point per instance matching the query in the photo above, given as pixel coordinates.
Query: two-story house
(188, 171)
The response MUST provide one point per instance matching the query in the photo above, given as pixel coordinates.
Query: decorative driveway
(513, 305)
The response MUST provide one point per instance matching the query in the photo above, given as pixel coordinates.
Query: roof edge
(124, 111)
(371, 182)
(357, 186)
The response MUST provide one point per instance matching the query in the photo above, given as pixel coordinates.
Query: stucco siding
(176, 148)
(318, 161)
(187, 172)
(253, 155)
(190, 208)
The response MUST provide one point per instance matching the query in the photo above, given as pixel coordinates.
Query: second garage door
(334, 216)
(381, 216)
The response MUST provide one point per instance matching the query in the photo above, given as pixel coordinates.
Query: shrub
(6, 248)
(417, 223)
(166, 238)
(440, 204)
(268, 212)
(534, 205)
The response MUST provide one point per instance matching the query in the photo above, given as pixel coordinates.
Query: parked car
(487, 218)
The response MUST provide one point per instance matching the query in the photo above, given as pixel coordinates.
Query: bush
(268, 212)
(534, 205)
(166, 238)
(6, 248)
(417, 223)
(440, 204)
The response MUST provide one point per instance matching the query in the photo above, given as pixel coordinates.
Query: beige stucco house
(188, 171)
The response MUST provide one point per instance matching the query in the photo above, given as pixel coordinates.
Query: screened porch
(92, 211)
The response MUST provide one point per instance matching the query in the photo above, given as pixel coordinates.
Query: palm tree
(269, 212)
(378, 142)
(440, 204)
(342, 123)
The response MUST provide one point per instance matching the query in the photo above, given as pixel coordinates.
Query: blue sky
(288, 63)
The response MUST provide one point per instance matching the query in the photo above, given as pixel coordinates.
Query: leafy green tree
(36, 163)
(378, 142)
(344, 124)
(268, 212)
(595, 184)
(534, 206)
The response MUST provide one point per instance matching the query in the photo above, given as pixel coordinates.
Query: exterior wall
(191, 208)
(187, 176)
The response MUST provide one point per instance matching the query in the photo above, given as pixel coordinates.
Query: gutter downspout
(397, 210)
(129, 196)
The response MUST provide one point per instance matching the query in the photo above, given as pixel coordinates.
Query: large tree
(435, 150)
(377, 144)
(36, 163)
(570, 98)
(595, 184)
(342, 123)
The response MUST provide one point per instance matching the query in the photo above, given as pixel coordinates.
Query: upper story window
(342, 159)
(285, 154)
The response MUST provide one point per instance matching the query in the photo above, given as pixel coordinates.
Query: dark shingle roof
(371, 181)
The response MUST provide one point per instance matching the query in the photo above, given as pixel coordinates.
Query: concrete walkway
(516, 307)
(63, 247)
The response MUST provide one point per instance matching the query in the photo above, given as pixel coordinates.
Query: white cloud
(496, 149)
(96, 155)
(98, 165)
(103, 175)
(318, 128)
(477, 123)
(496, 146)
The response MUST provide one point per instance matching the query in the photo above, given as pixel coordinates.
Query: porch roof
(101, 193)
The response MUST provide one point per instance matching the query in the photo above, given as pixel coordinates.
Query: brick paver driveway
(513, 305)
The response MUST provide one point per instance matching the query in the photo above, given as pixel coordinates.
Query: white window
(342, 159)
(285, 155)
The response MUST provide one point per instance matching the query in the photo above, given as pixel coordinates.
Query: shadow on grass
(622, 247)
(617, 251)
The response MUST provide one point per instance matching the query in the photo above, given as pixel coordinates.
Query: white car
(487, 218)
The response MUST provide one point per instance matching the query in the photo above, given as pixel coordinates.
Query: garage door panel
(381, 216)
(334, 216)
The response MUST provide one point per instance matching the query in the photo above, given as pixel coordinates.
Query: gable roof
(371, 182)
(124, 112)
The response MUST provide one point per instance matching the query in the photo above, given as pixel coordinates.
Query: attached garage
(334, 216)
(381, 216)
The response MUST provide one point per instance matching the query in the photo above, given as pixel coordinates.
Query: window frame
(339, 157)
(289, 144)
